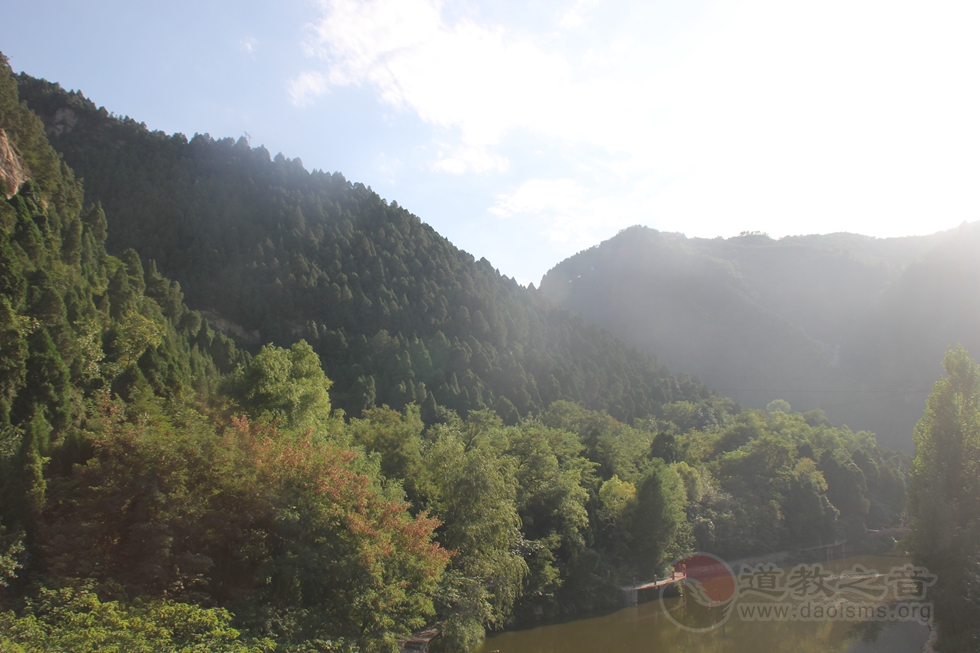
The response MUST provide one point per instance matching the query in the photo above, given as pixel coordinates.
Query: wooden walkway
(824, 547)
(631, 592)
(420, 639)
(897, 532)
(655, 584)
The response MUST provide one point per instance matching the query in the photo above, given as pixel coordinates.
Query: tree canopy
(944, 500)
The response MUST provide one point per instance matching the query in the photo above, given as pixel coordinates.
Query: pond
(646, 627)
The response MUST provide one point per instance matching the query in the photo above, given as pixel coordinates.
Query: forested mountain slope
(161, 490)
(850, 324)
(397, 314)
(153, 476)
(74, 319)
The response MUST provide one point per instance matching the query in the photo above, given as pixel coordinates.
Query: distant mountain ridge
(850, 324)
(396, 313)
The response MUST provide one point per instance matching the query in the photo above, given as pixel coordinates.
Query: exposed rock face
(13, 172)
(64, 121)
(228, 327)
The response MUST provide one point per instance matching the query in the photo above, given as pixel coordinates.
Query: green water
(646, 628)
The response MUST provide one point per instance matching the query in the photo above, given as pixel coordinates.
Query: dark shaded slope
(274, 253)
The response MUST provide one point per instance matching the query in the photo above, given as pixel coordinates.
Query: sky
(527, 131)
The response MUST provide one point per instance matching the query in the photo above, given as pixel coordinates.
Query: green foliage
(944, 500)
(554, 483)
(11, 548)
(847, 490)
(74, 322)
(396, 438)
(289, 384)
(77, 621)
(469, 486)
(277, 523)
(778, 406)
(614, 497)
(768, 482)
(808, 511)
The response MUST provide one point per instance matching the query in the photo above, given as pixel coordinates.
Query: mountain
(270, 252)
(846, 323)
(76, 320)
(162, 489)
(137, 501)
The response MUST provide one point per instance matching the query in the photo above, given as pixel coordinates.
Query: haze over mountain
(847, 323)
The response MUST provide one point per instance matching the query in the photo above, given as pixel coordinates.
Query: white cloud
(839, 115)
(460, 75)
(568, 213)
(305, 87)
(248, 44)
(574, 17)
(759, 114)
(571, 20)
(537, 195)
(470, 159)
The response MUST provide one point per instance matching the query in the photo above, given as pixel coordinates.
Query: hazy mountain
(851, 324)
